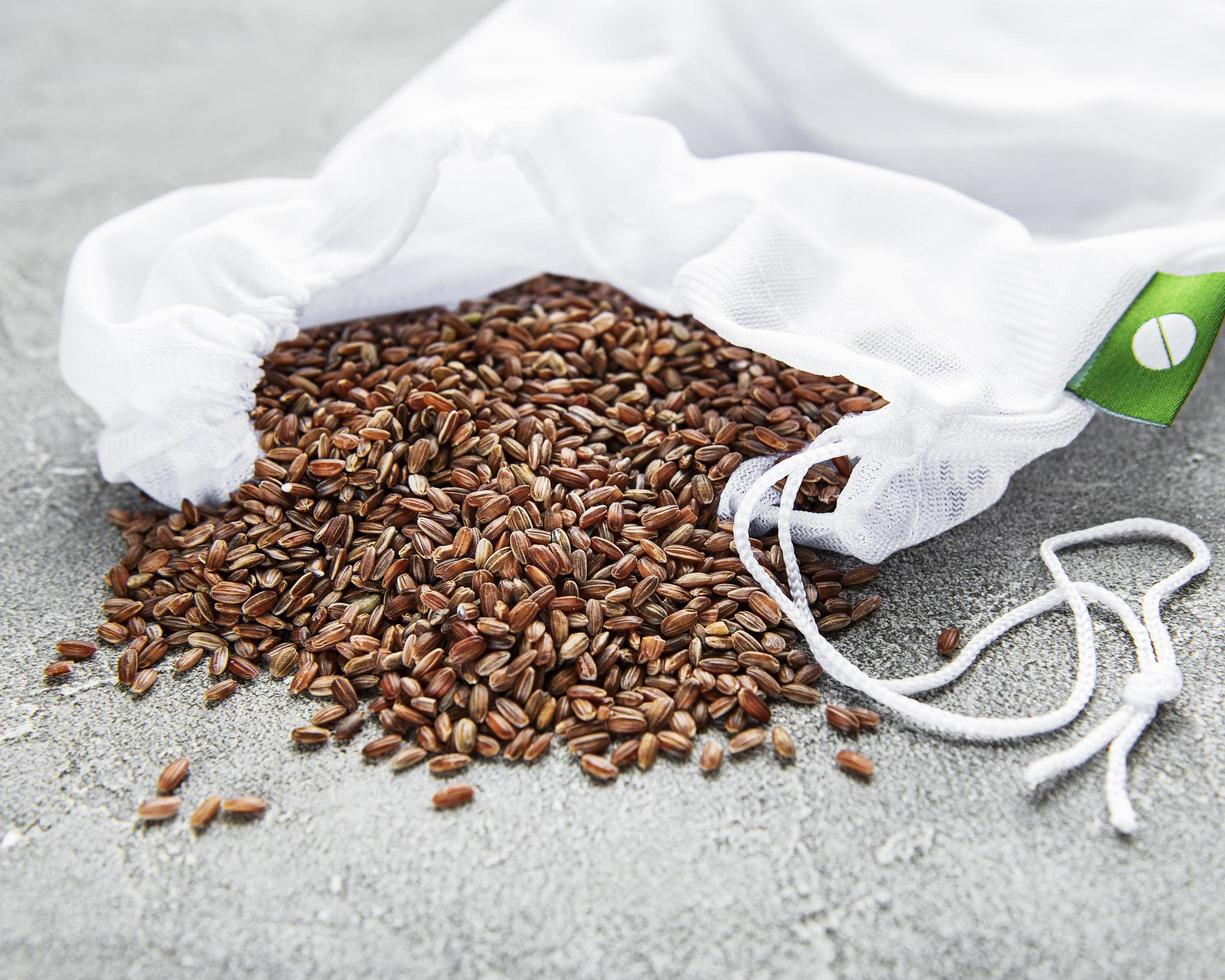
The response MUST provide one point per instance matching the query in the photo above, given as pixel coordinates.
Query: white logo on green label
(1146, 365)
(1164, 341)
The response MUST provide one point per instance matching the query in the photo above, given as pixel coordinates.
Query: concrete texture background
(943, 866)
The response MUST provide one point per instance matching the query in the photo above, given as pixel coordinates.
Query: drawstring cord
(1156, 680)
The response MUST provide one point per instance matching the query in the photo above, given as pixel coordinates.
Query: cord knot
(1152, 686)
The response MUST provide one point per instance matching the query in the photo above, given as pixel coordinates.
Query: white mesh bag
(947, 203)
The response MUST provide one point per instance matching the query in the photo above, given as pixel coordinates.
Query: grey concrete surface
(943, 866)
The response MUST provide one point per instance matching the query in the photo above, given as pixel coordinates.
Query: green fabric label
(1150, 360)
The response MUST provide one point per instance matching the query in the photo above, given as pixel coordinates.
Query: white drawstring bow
(1156, 680)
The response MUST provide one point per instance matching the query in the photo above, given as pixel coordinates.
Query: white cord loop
(1157, 679)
